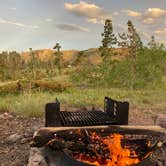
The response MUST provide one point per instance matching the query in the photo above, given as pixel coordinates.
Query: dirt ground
(16, 133)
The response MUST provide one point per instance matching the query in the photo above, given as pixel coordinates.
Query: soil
(16, 152)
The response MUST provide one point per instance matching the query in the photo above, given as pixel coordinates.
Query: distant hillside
(47, 54)
(69, 56)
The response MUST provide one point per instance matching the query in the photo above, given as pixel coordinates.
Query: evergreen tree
(123, 43)
(58, 55)
(108, 40)
(152, 43)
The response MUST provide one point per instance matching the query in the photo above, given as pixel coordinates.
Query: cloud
(160, 31)
(155, 12)
(13, 8)
(91, 12)
(148, 21)
(148, 13)
(148, 16)
(72, 27)
(18, 24)
(132, 13)
(48, 19)
(95, 20)
(115, 14)
(144, 35)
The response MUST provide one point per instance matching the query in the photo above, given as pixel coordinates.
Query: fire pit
(66, 144)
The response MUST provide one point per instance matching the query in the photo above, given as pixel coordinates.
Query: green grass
(32, 104)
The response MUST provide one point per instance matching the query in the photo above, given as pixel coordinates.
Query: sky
(75, 24)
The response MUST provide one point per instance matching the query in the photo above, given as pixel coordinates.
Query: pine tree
(152, 43)
(58, 55)
(108, 40)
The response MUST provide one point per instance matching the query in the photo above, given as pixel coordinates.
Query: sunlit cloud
(95, 21)
(155, 12)
(72, 27)
(131, 13)
(148, 21)
(18, 24)
(160, 31)
(91, 12)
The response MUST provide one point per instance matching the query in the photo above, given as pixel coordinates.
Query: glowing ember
(116, 154)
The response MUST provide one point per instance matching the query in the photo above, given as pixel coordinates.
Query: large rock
(14, 138)
(161, 120)
(36, 158)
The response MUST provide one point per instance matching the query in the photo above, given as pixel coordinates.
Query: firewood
(43, 135)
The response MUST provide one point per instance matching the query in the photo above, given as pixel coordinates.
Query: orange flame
(119, 156)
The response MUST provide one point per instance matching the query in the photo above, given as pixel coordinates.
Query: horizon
(76, 25)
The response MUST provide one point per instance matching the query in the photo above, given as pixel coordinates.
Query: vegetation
(142, 68)
(32, 104)
(138, 76)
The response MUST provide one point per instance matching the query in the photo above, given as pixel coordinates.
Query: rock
(36, 158)
(24, 140)
(6, 115)
(29, 132)
(161, 120)
(13, 138)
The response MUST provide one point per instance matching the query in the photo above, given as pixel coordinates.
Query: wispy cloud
(72, 27)
(48, 19)
(92, 13)
(95, 20)
(132, 13)
(13, 8)
(144, 35)
(18, 24)
(160, 31)
(148, 21)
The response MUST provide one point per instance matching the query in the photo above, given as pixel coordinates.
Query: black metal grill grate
(85, 118)
(114, 113)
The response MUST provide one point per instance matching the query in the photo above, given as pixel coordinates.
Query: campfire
(107, 152)
(102, 145)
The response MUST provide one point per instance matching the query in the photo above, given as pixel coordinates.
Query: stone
(6, 115)
(161, 120)
(13, 138)
(36, 158)
(24, 140)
